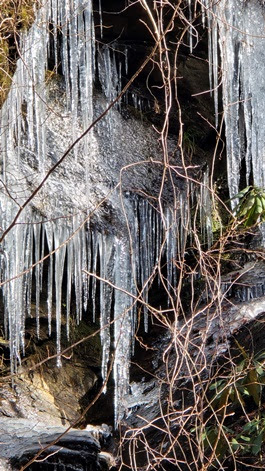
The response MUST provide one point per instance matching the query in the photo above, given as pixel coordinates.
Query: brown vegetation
(15, 16)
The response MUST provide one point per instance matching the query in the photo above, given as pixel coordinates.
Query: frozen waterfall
(36, 129)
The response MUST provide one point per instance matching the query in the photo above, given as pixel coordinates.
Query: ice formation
(125, 263)
(240, 27)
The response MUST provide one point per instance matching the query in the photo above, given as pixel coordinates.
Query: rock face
(49, 394)
(22, 439)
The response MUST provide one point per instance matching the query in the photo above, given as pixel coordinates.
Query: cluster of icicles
(124, 265)
(241, 43)
(127, 263)
(237, 35)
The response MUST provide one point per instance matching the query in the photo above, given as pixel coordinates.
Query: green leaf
(259, 207)
(223, 399)
(235, 445)
(247, 206)
(253, 385)
(221, 447)
(251, 216)
(246, 439)
(242, 350)
(260, 370)
(250, 426)
(241, 193)
(241, 366)
(261, 356)
(257, 444)
(216, 385)
(210, 437)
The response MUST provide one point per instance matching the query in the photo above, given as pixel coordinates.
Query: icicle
(122, 325)
(36, 230)
(184, 221)
(26, 283)
(109, 80)
(41, 256)
(206, 210)
(215, 68)
(190, 28)
(241, 41)
(119, 83)
(49, 237)
(135, 101)
(94, 270)
(132, 210)
(203, 15)
(69, 285)
(106, 257)
(85, 28)
(144, 257)
(85, 266)
(210, 8)
(126, 60)
(64, 15)
(13, 291)
(100, 18)
(60, 236)
(55, 21)
(77, 271)
(86, 278)
(28, 263)
(73, 63)
(171, 248)
(210, 48)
